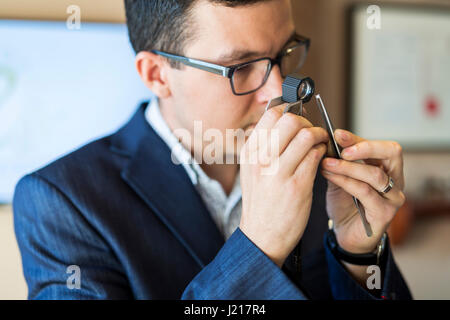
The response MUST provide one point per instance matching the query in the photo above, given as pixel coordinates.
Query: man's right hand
(277, 194)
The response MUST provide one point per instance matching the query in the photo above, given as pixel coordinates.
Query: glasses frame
(228, 71)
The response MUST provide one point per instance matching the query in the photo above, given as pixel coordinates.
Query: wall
(91, 10)
(324, 21)
(12, 282)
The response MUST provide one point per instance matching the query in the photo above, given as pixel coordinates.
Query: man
(136, 223)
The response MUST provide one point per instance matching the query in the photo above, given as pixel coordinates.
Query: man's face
(228, 36)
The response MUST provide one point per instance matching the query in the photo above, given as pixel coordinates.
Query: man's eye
(246, 68)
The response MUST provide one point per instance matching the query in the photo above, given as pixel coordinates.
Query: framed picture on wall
(400, 79)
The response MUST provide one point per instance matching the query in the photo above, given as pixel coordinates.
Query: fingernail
(348, 151)
(344, 135)
(330, 162)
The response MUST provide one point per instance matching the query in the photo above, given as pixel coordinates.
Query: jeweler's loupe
(296, 89)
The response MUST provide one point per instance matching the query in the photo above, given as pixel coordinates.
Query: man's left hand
(364, 180)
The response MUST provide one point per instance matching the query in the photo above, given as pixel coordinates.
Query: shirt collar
(179, 153)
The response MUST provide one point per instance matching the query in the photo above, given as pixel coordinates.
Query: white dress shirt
(225, 211)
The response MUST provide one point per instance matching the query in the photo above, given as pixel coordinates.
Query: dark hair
(165, 25)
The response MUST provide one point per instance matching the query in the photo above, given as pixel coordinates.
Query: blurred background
(381, 67)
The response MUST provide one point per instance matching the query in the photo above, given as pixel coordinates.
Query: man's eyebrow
(239, 55)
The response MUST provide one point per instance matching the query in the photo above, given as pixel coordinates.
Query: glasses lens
(293, 60)
(250, 76)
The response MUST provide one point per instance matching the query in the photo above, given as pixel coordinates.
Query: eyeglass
(247, 77)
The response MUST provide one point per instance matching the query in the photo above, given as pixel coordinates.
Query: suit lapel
(166, 189)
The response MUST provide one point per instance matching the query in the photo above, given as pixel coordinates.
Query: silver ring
(388, 187)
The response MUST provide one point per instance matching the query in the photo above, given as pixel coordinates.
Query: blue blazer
(132, 221)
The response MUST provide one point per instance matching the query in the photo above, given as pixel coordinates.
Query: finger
(300, 145)
(288, 126)
(383, 150)
(346, 138)
(372, 175)
(267, 121)
(270, 117)
(360, 190)
(307, 168)
(269, 142)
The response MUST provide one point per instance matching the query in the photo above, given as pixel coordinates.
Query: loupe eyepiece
(296, 87)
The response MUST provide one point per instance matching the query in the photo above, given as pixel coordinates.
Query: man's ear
(153, 71)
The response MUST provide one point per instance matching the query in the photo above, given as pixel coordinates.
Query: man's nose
(272, 87)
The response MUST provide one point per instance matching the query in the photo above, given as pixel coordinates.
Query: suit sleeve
(52, 235)
(344, 287)
(242, 271)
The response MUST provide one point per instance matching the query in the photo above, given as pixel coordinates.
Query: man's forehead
(227, 35)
